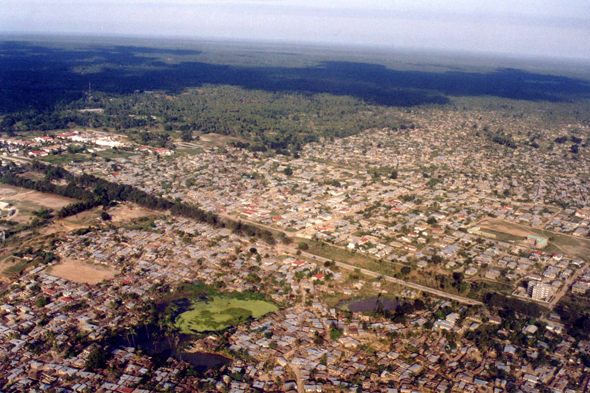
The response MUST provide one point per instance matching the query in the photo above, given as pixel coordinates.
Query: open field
(82, 272)
(129, 212)
(332, 252)
(28, 201)
(211, 140)
(65, 158)
(558, 243)
(112, 153)
(368, 274)
(14, 269)
(220, 313)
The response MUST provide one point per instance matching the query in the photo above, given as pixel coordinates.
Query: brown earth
(558, 242)
(27, 201)
(82, 272)
(128, 212)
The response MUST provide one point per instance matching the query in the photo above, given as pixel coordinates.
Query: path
(566, 286)
(17, 160)
(295, 370)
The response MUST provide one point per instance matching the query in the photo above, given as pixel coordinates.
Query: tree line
(499, 301)
(92, 191)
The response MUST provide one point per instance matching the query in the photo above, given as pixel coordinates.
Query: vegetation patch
(221, 312)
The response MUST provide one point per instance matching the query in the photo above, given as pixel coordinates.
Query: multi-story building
(539, 290)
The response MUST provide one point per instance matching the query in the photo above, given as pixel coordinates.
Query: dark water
(369, 304)
(160, 347)
(182, 305)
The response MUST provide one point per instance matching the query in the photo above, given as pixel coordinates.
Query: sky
(552, 28)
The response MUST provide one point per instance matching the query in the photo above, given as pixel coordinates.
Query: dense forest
(268, 100)
(277, 121)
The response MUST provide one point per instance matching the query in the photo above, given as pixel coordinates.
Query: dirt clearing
(127, 212)
(27, 201)
(82, 272)
(558, 242)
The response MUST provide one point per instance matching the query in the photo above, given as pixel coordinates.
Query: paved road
(393, 280)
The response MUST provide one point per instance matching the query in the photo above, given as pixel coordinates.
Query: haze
(539, 28)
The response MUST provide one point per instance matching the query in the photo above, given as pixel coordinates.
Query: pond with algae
(220, 312)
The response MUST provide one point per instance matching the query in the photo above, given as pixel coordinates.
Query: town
(422, 259)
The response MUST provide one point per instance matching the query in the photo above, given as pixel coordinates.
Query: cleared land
(129, 212)
(82, 272)
(558, 243)
(220, 313)
(28, 201)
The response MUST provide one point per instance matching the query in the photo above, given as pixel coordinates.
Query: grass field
(189, 151)
(17, 268)
(65, 158)
(112, 153)
(221, 312)
(342, 255)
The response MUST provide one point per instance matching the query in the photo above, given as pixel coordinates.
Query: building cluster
(372, 194)
(50, 327)
(422, 198)
(47, 145)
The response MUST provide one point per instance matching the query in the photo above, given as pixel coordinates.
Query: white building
(539, 290)
(110, 142)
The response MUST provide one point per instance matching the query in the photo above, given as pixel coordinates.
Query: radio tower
(89, 94)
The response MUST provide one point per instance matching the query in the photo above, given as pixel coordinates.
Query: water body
(160, 347)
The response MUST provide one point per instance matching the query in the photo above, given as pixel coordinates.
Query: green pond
(220, 312)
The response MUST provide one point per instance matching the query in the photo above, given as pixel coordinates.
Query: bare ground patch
(129, 212)
(27, 201)
(82, 272)
(506, 227)
(566, 244)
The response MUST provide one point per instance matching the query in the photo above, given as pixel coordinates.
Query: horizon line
(305, 43)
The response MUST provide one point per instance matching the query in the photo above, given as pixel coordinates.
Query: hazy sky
(530, 27)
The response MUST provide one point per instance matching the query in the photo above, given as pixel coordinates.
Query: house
(162, 151)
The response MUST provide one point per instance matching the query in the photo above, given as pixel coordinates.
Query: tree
(186, 135)
(394, 175)
(288, 171)
(96, 360)
(458, 277)
(105, 216)
(335, 333)
(406, 270)
(44, 213)
(303, 246)
(41, 302)
(561, 139)
(436, 259)
(575, 149)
